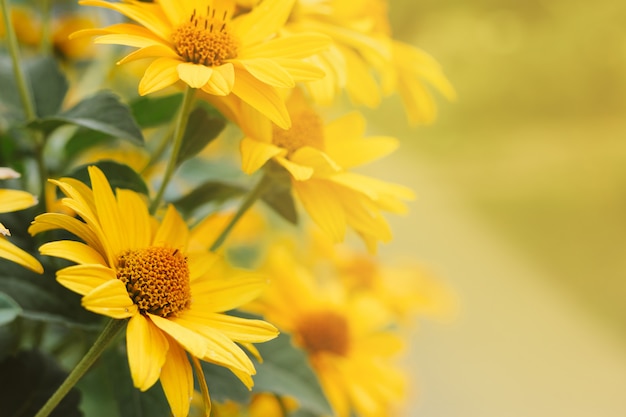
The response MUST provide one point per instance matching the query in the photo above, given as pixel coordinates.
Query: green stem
(179, 133)
(259, 189)
(160, 149)
(46, 32)
(108, 334)
(20, 80)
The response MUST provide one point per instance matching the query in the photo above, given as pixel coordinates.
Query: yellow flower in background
(348, 339)
(130, 266)
(26, 24)
(201, 44)
(319, 158)
(10, 201)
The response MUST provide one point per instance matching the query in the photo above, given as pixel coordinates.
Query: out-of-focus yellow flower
(72, 49)
(130, 266)
(201, 44)
(14, 200)
(318, 157)
(347, 338)
(26, 24)
(248, 228)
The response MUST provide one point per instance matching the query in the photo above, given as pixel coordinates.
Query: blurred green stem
(46, 32)
(107, 335)
(179, 134)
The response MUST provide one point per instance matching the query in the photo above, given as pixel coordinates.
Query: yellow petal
(72, 251)
(110, 299)
(262, 97)
(300, 70)
(127, 40)
(190, 340)
(149, 52)
(255, 154)
(173, 231)
(161, 73)
(263, 21)
(83, 279)
(267, 71)
(350, 126)
(147, 349)
(322, 204)
(177, 379)
(297, 171)
(11, 252)
(174, 10)
(294, 47)
(13, 200)
(217, 294)
(221, 81)
(352, 153)
(195, 75)
(136, 219)
(52, 221)
(235, 328)
(321, 163)
(108, 213)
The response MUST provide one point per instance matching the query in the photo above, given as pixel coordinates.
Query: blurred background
(521, 207)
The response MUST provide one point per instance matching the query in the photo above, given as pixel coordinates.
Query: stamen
(307, 129)
(324, 331)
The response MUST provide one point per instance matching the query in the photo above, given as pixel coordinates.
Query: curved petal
(267, 71)
(195, 75)
(295, 47)
(321, 202)
(194, 343)
(83, 279)
(110, 299)
(297, 171)
(136, 219)
(108, 213)
(263, 21)
(161, 73)
(255, 154)
(173, 231)
(177, 379)
(262, 97)
(72, 251)
(149, 52)
(147, 349)
(222, 80)
(218, 294)
(13, 200)
(235, 328)
(11, 252)
(321, 163)
(52, 221)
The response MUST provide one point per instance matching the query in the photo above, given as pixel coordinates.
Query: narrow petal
(190, 340)
(236, 328)
(13, 200)
(221, 81)
(321, 163)
(195, 75)
(322, 204)
(297, 171)
(108, 213)
(110, 299)
(177, 379)
(267, 71)
(255, 154)
(262, 97)
(263, 21)
(218, 294)
(136, 219)
(147, 349)
(83, 279)
(161, 73)
(11, 252)
(173, 231)
(52, 221)
(149, 52)
(294, 47)
(72, 251)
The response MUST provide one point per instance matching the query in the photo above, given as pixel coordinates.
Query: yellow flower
(347, 339)
(203, 45)
(132, 267)
(27, 26)
(14, 200)
(318, 157)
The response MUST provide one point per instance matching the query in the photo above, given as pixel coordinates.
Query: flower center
(324, 331)
(205, 40)
(157, 280)
(307, 129)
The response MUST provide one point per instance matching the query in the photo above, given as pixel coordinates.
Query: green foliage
(119, 176)
(209, 192)
(203, 127)
(154, 111)
(9, 309)
(278, 197)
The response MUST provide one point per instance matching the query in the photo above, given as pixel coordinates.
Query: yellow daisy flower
(132, 267)
(318, 157)
(348, 340)
(14, 200)
(203, 45)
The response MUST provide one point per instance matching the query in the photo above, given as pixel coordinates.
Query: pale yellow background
(522, 206)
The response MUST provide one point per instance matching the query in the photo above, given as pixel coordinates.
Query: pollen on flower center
(157, 280)
(307, 129)
(205, 40)
(324, 331)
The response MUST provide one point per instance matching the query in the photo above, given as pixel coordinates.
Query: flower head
(318, 157)
(14, 200)
(201, 44)
(130, 266)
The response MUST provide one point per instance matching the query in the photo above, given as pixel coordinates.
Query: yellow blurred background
(522, 206)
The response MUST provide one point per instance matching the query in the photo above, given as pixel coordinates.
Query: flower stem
(109, 332)
(20, 80)
(259, 189)
(179, 134)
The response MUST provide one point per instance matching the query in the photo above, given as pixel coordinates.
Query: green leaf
(48, 84)
(224, 385)
(11, 108)
(202, 128)
(150, 111)
(208, 192)
(102, 112)
(9, 309)
(279, 197)
(286, 371)
(29, 379)
(119, 176)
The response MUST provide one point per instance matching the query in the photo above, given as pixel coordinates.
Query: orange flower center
(307, 129)
(324, 331)
(157, 280)
(205, 40)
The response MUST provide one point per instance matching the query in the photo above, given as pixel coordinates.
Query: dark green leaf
(11, 108)
(224, 385)
(208, 192)
(102, 112)
(9, 309)
(119, 176)
(150, 111)
(29, 379)
(281, 201)
(48, 85)
(203, 127)
(286, 371)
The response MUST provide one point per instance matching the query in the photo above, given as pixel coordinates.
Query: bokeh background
(522, 206)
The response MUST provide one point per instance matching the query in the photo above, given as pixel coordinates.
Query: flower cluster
(187, 182)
